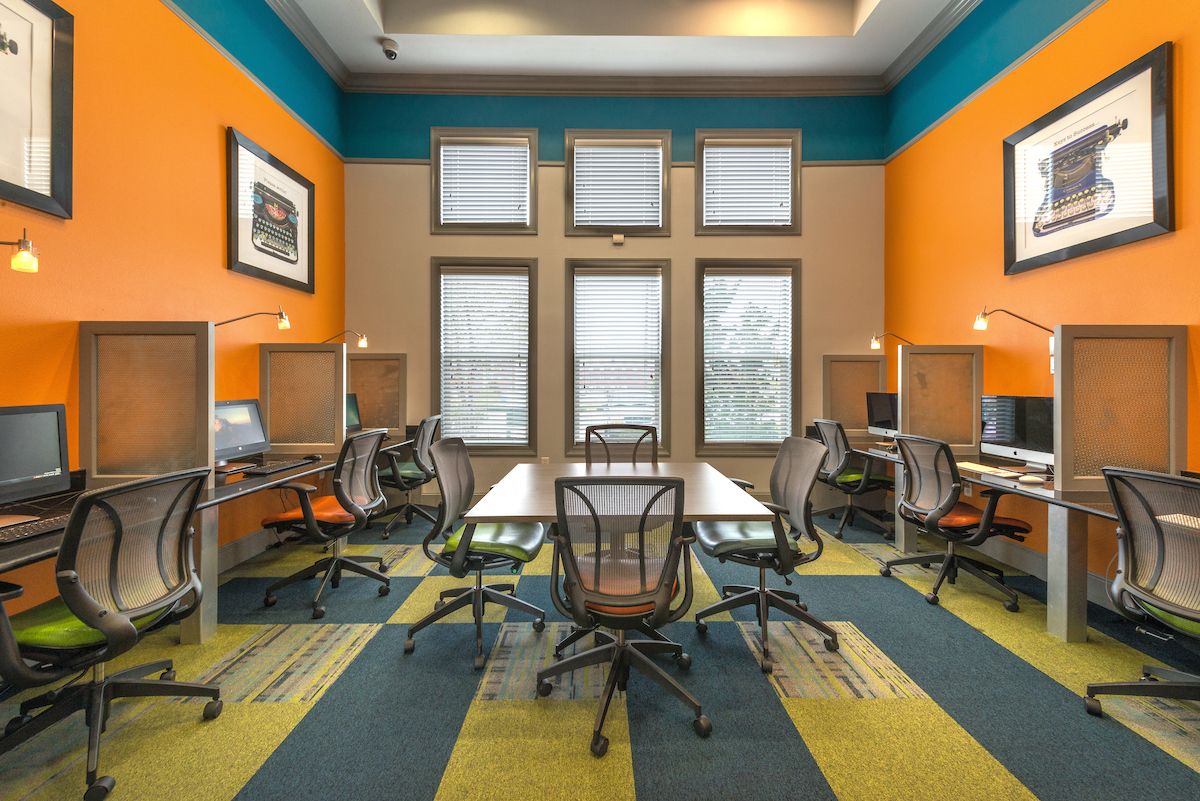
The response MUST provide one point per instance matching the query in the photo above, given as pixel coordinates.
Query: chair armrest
(298, 488)
(741, 482)
(774, 507)
(9, 591)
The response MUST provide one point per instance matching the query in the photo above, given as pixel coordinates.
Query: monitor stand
(13, 520)
(1030, 467)
(223, 467)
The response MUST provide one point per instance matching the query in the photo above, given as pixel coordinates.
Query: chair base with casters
(331, 569)
(851, 513)
(406, 512)
(764, 599)
(675, 650)
(1156, 682)
(622, 656)
(951, 562)
(477, 598)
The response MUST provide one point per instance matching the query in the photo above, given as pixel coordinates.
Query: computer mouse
(1027, 479)
(314, 457)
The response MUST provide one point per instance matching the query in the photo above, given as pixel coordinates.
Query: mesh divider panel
(145, 403)
(1121, 406)
(1163, 559)
(940, 389)
(303, 396)
(379, 384)
(849, 383)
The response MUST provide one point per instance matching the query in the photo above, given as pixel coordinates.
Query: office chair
(1158, 575)
(473, 548)
(125, 569)
(619, 542)
(329, 519)
(851, 475)
(620, 440)
(930, 499)
(408, 476)
(768, 547)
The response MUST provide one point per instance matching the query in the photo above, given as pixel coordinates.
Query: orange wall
(944, 232)
(147, 242)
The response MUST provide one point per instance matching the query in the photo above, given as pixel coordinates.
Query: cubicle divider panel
(846, 380)
(940, 387)
(145, 398)
(380, 381)
(302, 389)
(1121, 400)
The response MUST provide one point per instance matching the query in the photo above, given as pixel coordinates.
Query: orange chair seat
(326, 509)
(964, 515)
(627, 611)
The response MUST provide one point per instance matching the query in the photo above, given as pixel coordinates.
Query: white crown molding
(928, 39)
(303, 29)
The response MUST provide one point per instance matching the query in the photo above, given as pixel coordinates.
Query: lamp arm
(339, 333)
(246, 317)
(1022, 319)
(896, 336)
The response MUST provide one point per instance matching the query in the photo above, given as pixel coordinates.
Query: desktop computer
(1019, 427)
(883, 414)
(238, 432)
(33, 459)
(353, 418)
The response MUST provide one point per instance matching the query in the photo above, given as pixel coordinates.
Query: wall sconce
(362, 338)
(877, 339)
(282, 321)
(981, 324)
(24, 260)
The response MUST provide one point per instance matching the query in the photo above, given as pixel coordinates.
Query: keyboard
(987, 470)
(34, 528)
(268, 468)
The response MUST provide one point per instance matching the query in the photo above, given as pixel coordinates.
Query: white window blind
(484, 183)
(748, 184)
(618, 348)
(747, 356)
(618, 185)
(484, 357)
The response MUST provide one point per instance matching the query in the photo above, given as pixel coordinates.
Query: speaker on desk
(302, 391)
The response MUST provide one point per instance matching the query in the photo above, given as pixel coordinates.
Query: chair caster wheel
(408, 518)
(212, 710)
(702, 726)
(410, 645)
(384, 590)
(479, 660)
(318, 612)
(599, 745)
(932, 599)
(683, 661)
(16, 723)
(539, 625)
(701, 628)
(1012, 606)
(831, 644)
(544, 688)
(270, 600)
(439, 605)
(167, 675)
(1093, 707)
(767, 666)
(100, 789)
(885, 571)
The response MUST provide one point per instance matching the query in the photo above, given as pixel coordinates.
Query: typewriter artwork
(1076, 189)
(275, 224)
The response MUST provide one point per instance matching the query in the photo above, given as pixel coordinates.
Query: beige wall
(389, 247)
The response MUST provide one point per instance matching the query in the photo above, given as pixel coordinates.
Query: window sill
(765, 450)
(501, 450)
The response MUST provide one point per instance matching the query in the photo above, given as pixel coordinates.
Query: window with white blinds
(483, 354)
(618, 184)
(618, 347)
(484, 182)
(747, 354)
(747, 182)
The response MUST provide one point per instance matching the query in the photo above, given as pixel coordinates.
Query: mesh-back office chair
(768, 547)
(851, 475)
(620, 442)
(473, 548)
(125, 568)
(1158, 573)
(329, 519)
(619, 542)
(930, 499)
(408, 476)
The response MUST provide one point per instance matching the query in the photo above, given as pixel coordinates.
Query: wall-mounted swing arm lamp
(362, 338)
(981, 324)
(280, 316)
(877, 339)
(24, 260)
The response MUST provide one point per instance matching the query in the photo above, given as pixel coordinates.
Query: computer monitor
(883, 414)
(353, 419)
(1019, 427)
(238, 430)
(33, 452)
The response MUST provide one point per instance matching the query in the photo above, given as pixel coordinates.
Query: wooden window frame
(437, 136)
(748, 136)
(661, 137)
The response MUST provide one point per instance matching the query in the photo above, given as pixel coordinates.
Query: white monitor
(883, 414)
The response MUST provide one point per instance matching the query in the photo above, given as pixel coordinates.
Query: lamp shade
(981, 322)
(362, 340)
(284, 323)
(23, 261)
(875, 343)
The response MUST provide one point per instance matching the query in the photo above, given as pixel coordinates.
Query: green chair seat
(854, 478)
(408, 470)
(52, 625)
(520, 541)
(722, 538)
(1183, 624)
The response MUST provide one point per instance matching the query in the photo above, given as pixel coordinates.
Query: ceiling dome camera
(390, 49)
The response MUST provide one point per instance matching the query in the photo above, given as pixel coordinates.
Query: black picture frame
(62, 93)
(1159, 62)
(238, 141)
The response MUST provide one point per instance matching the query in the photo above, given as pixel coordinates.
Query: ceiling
(684, 46)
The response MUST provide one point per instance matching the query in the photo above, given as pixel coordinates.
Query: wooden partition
(940, 387)
(845, 382)
(302, 390)
(380, 381)
(1120, 400)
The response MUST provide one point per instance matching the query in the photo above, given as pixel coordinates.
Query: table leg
(1066, 574)
(202, 624)
(906, 532)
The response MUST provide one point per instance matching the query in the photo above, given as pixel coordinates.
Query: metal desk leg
(1066, 574)
(906, 532)
(202, 623)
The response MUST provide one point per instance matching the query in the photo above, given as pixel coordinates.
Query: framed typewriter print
(270, 216)
(1095, 172)
(36, 78)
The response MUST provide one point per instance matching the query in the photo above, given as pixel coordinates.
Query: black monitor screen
(882, 411)
(353, 420)
(238, 429)
(1018, 423)
(33, 452)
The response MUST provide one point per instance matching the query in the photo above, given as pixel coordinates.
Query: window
(617, 364)
(482, 348)
(618, 182)
(748, 341)
(748, 182)
(484, 181)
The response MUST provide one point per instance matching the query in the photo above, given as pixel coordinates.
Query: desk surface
(526, 494)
